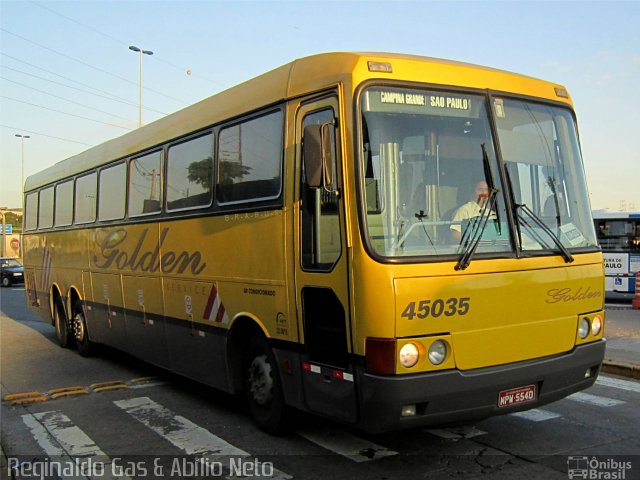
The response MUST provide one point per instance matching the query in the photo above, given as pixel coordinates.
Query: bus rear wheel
(262, 387)
(60, 323)
(79, 326)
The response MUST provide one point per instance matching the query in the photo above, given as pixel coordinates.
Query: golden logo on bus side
(112, 253)
(556, 295)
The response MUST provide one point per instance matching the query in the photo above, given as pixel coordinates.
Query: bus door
(321, 275)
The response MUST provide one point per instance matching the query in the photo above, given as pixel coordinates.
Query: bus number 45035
(437, 308)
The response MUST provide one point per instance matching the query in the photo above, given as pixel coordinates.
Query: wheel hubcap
(260, 380)
(78, 327)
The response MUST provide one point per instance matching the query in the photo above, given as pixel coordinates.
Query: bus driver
(473, 208)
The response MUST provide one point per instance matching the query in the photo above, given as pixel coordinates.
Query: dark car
(12, 271)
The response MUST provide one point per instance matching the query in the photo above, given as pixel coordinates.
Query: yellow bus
(385, 240)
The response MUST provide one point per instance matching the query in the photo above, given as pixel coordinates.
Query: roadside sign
(8, 229)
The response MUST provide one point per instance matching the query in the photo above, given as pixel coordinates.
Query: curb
(620, 368)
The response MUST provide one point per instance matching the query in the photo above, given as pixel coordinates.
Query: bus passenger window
(64, 203)
(145, 184)
(112, 195)
(45, 210)
(250, 160)
(85, 206)
(31, 211)
(189, 174)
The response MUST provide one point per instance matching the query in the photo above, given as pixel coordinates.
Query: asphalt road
(158, 427)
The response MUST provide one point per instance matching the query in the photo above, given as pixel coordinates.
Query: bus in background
(619, 237)
(297, 240)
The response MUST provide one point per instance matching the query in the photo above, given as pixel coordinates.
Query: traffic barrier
(635, 303)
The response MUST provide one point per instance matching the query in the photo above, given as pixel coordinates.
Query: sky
(69, 81)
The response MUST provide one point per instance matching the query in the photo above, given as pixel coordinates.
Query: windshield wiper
(473, 239)
(568, 258)
(488, 175)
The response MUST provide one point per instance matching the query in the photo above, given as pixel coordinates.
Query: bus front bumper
(453, 396)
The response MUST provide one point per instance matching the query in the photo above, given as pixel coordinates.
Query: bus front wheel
(262, 386)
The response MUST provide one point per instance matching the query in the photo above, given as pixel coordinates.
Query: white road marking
(42, 437)
(343, 443)
(595, 399)
(62, 440)
(618, 383)
(184, 434)
(536, 415)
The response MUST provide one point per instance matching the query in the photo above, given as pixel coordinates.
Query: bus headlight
(583, 328)
(409, 355)
(437, 352)
(596, 325)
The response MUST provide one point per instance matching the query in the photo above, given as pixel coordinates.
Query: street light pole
(22, 137)
(3, 211)
(141, 52)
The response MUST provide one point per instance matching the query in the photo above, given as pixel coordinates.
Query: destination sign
(413, 101)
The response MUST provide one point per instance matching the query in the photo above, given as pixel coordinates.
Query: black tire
(6, 282)
(61, 324)
(79, 330)
(262, 387)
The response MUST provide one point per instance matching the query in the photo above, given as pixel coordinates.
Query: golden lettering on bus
(113, 255)
(557, 295)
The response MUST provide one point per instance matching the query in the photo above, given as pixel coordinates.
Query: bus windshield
(430, 167)
(542, 160)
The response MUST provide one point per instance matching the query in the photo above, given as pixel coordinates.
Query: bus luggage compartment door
(328, 380)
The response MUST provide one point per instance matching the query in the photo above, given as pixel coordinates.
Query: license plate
(516, 396)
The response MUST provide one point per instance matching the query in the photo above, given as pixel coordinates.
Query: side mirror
(318, 155)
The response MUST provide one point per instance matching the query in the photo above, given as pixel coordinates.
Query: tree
(232, 170)
(200, 172)
(14, 219)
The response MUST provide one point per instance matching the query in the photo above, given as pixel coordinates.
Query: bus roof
(302, 76)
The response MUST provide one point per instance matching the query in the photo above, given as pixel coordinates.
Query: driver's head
(481, 193)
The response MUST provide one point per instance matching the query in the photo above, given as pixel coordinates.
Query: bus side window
(112, 192)
(31, 211)
(249, 161)
(145, 192)
(321, 241)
